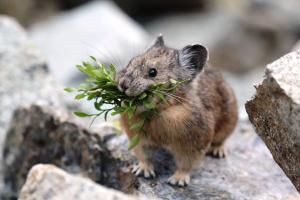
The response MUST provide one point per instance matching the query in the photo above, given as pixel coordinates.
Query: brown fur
(199, 120)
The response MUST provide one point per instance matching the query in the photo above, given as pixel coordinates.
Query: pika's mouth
(132, 92)
(129, 91)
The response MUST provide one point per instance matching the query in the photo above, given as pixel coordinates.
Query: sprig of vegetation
(102, 88)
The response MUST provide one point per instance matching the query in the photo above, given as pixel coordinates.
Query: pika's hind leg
(217, 151)
(223, 131)
(144, 167)
(218, 148)
(184, 163)
(226, 123)
(181, 177)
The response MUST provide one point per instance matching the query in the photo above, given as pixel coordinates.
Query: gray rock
(248, 173)
(24, 76)
(297, 46)
(97, 29)
(275, 113)
(38, 135)
(51, 183)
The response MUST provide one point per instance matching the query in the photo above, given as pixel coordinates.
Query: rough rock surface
(22, 71)
(275, 113)
(39, 136)
(24, 76)
(48, 182)
(248, 173)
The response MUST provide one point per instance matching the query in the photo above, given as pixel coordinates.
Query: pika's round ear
(193, 57)
(158, 42)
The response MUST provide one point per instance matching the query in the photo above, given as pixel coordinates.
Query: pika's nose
(123, 85)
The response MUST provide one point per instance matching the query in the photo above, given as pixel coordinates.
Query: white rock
(47, 182)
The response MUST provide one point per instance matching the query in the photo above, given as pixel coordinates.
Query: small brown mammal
(197, 119)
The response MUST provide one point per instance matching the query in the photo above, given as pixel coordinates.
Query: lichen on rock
(275, 113)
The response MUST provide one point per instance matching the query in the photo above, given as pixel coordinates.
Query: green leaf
(115, 113)
(161, 96)
(130, 112)
(80, 96)
(86, 86)
(118, 110)
(133, 141)
(82, 114)
(138, 125)
(142, 96)
(149, 105)
(70, 89)
(93, 58)
(173, 81)
(98, 105)
(113, 71)
(105, 115)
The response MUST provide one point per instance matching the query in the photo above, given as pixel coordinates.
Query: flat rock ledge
(275, 113)
(48, 182)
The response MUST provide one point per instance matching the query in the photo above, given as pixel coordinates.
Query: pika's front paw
(142, 169)
(179, 179)
(217, 151)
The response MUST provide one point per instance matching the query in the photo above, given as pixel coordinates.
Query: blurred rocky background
(37, 61)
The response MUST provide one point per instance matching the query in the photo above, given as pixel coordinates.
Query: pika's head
(160, 63)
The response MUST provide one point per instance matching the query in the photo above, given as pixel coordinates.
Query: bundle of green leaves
(101, 87)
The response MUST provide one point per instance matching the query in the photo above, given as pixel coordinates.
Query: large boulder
(24, 76)
(275, 113)
(40, 135)
(51, 183)
(98, 29)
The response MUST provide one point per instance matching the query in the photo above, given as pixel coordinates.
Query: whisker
(172, 97)
(175, 96)
(106, 55)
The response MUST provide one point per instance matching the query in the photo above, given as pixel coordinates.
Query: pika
(196, 120)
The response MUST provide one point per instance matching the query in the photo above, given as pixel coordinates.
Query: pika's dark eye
(152, 72)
